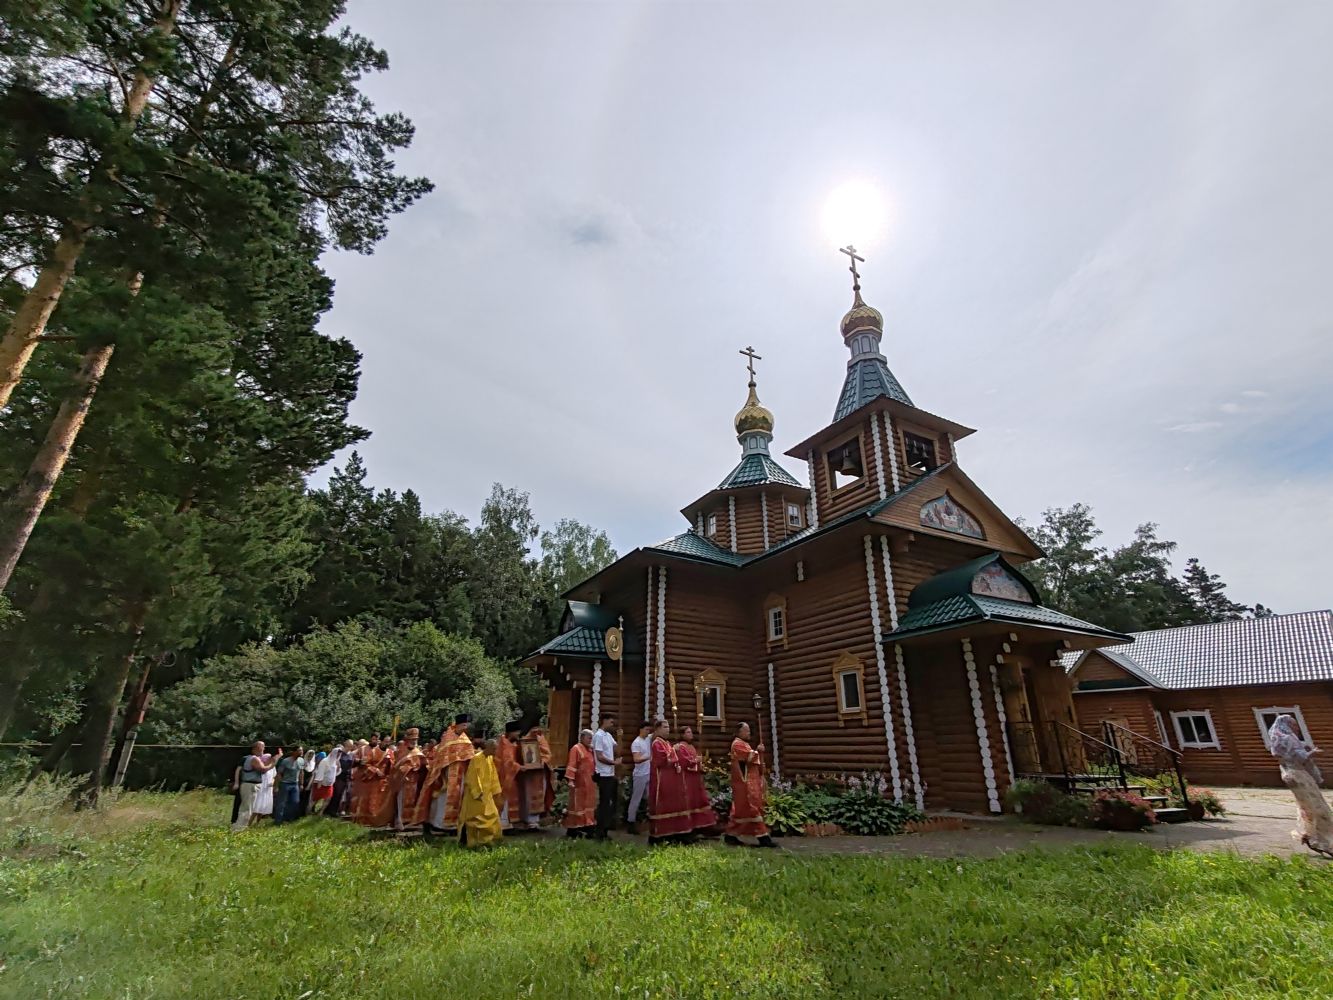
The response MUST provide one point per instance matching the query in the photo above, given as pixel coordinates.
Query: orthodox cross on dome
(850, 251)
(749, 353)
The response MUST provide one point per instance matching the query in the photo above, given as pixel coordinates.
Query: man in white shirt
(642, 750)
(604, 766)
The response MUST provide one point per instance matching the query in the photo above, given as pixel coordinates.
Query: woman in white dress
(1314, 825)
(264, 797)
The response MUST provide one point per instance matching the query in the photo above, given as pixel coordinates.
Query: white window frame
(1161, 728)
(843, 707)
(795, 518)
(777, 623)
(711, 525)
(1293, 710)
(703, 701)
(1185, 744)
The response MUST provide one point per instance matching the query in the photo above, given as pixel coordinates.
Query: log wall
(829, 614)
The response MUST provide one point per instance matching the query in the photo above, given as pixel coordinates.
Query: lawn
(156, 899)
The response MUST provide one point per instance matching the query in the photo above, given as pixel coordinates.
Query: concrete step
(1174, 815)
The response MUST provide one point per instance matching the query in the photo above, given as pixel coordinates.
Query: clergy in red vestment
(398, 806)
(581, 815)
(506, 770)
(442, 791)
(747, 790)
(372, 783)
(536, 782)
(668, 809)
(702, 817)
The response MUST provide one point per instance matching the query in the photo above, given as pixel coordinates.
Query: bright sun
(854, 213)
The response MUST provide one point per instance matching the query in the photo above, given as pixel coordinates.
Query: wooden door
(559, 707)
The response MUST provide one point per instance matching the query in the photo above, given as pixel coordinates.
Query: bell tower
(879, 440)
(868, 375)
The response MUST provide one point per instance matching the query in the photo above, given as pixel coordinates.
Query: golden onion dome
(754, 416)
(862, 317)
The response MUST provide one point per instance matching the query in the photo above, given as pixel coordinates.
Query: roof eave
(959, 431)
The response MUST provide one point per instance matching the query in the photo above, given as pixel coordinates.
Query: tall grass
(154, 908)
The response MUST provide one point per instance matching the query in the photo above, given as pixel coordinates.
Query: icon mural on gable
(945, 514)
(996, 581)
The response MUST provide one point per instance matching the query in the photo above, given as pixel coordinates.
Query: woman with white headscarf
(1314, 825)
(326, 773)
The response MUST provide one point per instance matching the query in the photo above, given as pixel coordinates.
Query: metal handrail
(1141, 738)
(1115, 751)
(1176, 756)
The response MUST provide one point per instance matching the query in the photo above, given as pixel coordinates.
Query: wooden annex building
(866, 617)
(1212, 691)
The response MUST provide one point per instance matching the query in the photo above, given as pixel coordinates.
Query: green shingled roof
(691, 545)
(758, 470)
(581, 641)
(962, 609)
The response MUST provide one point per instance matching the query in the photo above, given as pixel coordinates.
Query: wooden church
(866, 619)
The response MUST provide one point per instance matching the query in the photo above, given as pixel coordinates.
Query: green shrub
(819, 805)
(1205, 797)
(785, 814)
(1041, 802)
(869, 814)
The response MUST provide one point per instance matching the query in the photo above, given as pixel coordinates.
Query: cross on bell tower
(850, 251)
(749, 353)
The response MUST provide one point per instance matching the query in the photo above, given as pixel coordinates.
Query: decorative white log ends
(773, 722)
(699, 524)
(889, 593)
(885, 700)
(814, 503)
(999, 713)
(893, 453)
(661, 641)
(908, 733)
(800, 571)
(879, 456)
(763, 506)
(731, 519)
(983, 739)
(647, 649)
(596, 689)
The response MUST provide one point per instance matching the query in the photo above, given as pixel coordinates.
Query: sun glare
(854, 213)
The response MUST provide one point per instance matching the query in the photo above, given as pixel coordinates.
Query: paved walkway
(1258, 821)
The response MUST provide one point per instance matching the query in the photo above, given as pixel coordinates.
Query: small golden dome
(754, 416)
(862, 317)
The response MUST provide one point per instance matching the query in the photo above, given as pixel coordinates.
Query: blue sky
(1107, 248)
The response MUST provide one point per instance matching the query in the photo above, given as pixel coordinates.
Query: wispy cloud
(1197, 427)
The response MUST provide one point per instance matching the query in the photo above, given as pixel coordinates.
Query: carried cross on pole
(850, 251)
(749, 353)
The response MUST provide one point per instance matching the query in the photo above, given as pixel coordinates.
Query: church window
(850, 685)
(712, 525)
(710, 697)
(794, 515)
(775, 619)
(849, 691)
(1194, 730)
(920, 452)
(846, 465)
(712, 702)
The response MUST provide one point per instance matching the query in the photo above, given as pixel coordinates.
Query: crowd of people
(479, 789)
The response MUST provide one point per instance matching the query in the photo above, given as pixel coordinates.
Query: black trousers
(608, 790)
